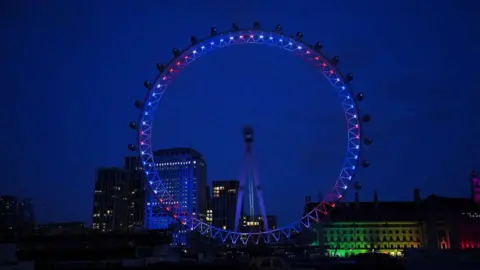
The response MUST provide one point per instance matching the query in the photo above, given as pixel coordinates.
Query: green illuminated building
(361, 227)
(391, 227)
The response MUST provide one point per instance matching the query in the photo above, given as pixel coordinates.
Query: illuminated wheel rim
(319, 61)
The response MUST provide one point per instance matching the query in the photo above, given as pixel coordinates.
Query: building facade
(16, 216)
(184, 174)
(110, 202)
(224, 202)
(392, 227)
(361, 227)
(256, 224)
(137, 191)
(8, 212)
(209, 211)
(453, 223)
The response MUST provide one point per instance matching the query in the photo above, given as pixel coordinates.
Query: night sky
(71, 70)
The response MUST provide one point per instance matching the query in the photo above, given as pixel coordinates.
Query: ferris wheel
(236, 36)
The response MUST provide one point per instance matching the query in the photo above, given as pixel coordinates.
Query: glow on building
(469, 230)
(183, 173)
(452, 223)
(351, 238)
(364, 227)
(435, 222)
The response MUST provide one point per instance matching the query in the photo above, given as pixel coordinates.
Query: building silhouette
(26, 214)
(16, 216)
(110, 201)
(224, 203)
(8, 212)
(56, 228)
(137, 193)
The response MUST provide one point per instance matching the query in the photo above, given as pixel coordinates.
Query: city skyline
(71, 114)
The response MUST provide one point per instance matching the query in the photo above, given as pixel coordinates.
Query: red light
(316, 58)
(168, 208)
(171, 70)
(331, 71)
(178, 64)
(324, 64)
(174, 216)
(186, 56)
(308, 52)
(164, 78)
(142, 132)
(161, 200)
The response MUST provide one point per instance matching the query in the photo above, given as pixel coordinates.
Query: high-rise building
(110, 201)
(136, 194)
(224, 203)
(16, 215)
(8, 212)
(183, 172)
(209, 210)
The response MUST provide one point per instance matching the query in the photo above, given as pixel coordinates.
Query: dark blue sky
(72, 69)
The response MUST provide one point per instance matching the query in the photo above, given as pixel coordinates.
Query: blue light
(276, 40)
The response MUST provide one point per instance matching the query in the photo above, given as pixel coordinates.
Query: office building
(209, 207)
(8, 212)
(16, 216)
(136, 193)
(110, 202)
(224, 203)
(184, 174)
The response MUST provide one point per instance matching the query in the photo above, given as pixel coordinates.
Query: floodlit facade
(184, 174)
